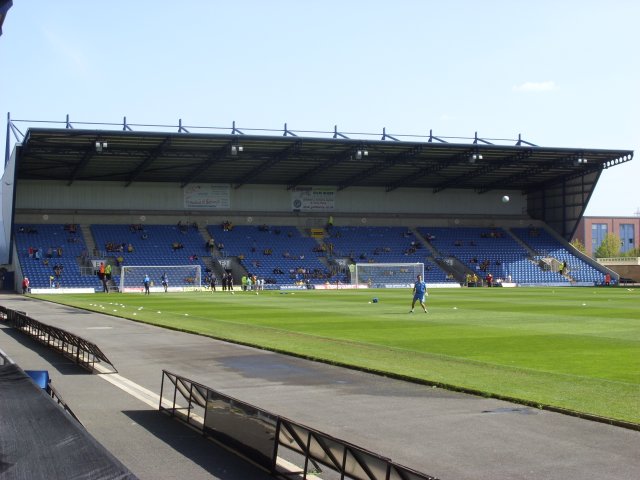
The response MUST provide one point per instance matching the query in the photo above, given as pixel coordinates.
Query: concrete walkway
(445, 434)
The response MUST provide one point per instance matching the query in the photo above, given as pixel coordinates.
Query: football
(505, 199)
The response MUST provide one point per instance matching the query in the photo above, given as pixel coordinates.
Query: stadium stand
(547, 247)
(384, 245)
(377, 244)
(150, 245)
(489, 250)
(283, 255)
(43, 247)
(268, 250)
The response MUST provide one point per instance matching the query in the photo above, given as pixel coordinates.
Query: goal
(180, 278)
(386, 275)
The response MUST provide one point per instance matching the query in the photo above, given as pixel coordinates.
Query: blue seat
(40, 377)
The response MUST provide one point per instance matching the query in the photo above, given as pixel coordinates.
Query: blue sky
(561, 73)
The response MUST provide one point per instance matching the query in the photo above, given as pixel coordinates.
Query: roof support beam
(88, 154)
(213, 158)
(293, 148)
(429, 169)
(484, 169)
(387, 162)
(309, 174)
(149, 160)
(565, 178)
(514, 178)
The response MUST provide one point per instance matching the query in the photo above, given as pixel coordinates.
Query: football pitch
(576, 349)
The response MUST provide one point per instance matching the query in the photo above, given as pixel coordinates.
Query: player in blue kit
(419, 292)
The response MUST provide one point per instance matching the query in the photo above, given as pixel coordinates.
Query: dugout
(82, 173)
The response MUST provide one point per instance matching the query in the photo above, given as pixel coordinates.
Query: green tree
(578, 245)
(610, 246)
(634, 252)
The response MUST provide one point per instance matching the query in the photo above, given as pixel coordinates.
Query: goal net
(386, 275)
(180, 278)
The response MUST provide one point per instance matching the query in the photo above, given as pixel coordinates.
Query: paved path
(449, 435)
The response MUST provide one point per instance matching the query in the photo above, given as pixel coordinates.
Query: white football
(505, 199)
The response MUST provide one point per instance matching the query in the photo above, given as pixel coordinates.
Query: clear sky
(561, 73)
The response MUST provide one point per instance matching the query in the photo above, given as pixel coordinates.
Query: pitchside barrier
(266, 438)
(83, 352)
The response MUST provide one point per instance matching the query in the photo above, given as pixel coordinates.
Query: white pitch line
(137, 391)
(150, 398)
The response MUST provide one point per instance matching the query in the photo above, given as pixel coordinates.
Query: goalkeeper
(419, 292)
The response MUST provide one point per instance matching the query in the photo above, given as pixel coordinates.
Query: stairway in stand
(88, 238)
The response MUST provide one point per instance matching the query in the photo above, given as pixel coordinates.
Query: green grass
(571, 348)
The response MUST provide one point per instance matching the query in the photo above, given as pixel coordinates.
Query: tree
(610, 247)
(578, 245)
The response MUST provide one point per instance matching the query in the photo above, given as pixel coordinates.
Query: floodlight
(235, 149)
(361, 153)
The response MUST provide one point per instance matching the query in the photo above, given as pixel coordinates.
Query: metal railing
(60, 401)
(83, 352)
(51, 391)
(618, 261)
(17, 135)
(262, 436)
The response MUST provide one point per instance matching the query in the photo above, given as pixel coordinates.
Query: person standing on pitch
(146, 282)
(165, 281)
(419, 292)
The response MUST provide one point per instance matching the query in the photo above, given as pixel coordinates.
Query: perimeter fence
(267, 439)
(80, 350)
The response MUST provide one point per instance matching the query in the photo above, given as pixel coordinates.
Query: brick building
(592, 230)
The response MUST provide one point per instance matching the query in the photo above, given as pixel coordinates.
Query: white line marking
(137, 391)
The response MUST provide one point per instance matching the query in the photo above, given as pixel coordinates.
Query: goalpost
(387, 275)
(181, 278)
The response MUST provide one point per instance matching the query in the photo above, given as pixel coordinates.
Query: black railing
(262, 436)
(52, 392)
(83, 352)
(60, 401)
